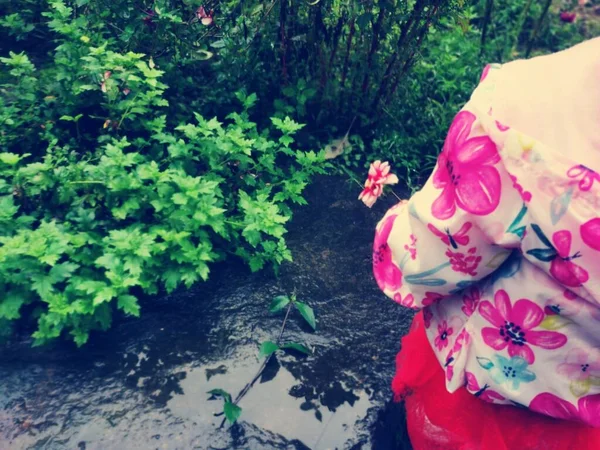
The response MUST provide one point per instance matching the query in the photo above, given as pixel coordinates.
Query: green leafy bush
(103, 196)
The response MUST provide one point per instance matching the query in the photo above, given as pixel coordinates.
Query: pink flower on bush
(205, 17)
(568, 16)
(387, 274)
(379, 175)
(514, 327)
(466, 263)
(466, 172)
(586, 411)
(105, 78)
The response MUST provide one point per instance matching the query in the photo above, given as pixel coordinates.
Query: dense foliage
(104, 195)
(142, 142)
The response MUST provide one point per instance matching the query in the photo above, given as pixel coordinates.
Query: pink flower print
(569, 295)
(427, 316)
(525, 195)
(563, 307)
(445, 330)
(408, 301)
(462, 339)
(582, 369)
(501, 127)
(466, 263)
(486, 71)
(379, 175)
(470, 301)
(590, 233)
(587, 410)
(586, 176)
(513, 327)
(387, 274)
(562, 267)
(558, 253)
(466, 172)
(431, 298)
(484, 393)
(411, 248)
(454, 240)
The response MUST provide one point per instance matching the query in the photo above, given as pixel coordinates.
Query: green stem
(244, 391)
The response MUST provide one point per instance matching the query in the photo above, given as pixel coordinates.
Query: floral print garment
(501, 249)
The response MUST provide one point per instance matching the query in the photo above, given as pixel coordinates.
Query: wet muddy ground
(143, 384)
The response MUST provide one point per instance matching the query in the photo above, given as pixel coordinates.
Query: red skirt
(437, 419)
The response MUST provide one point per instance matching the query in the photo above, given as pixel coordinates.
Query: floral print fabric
(501, 248)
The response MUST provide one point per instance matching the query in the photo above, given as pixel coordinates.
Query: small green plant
(231, 409)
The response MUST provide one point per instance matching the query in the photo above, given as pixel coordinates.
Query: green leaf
(10, 305)
(485, 363)
(129, 305)
(267, 348)
(279, 303)
(554, 323)
(543, 254)
(179, 198)
(42, 285)
(540, 234)
(10, 159)
(298, 347)
(61, 272)
(105, 295)
(308, 314)
(220, 393)
(232, 412)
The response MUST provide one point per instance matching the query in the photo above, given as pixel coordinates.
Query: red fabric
(437, 419)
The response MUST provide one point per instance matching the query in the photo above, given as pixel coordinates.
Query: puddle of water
(270, 406)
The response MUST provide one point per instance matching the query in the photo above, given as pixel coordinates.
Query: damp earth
(143, 384)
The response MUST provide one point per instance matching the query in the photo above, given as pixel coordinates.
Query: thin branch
(487, 16)
(374, 46)
(261, 369)
(348, 48)
(537, 28)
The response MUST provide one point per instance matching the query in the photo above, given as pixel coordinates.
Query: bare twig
(487, 16)
(537, 28)
(374, 46)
